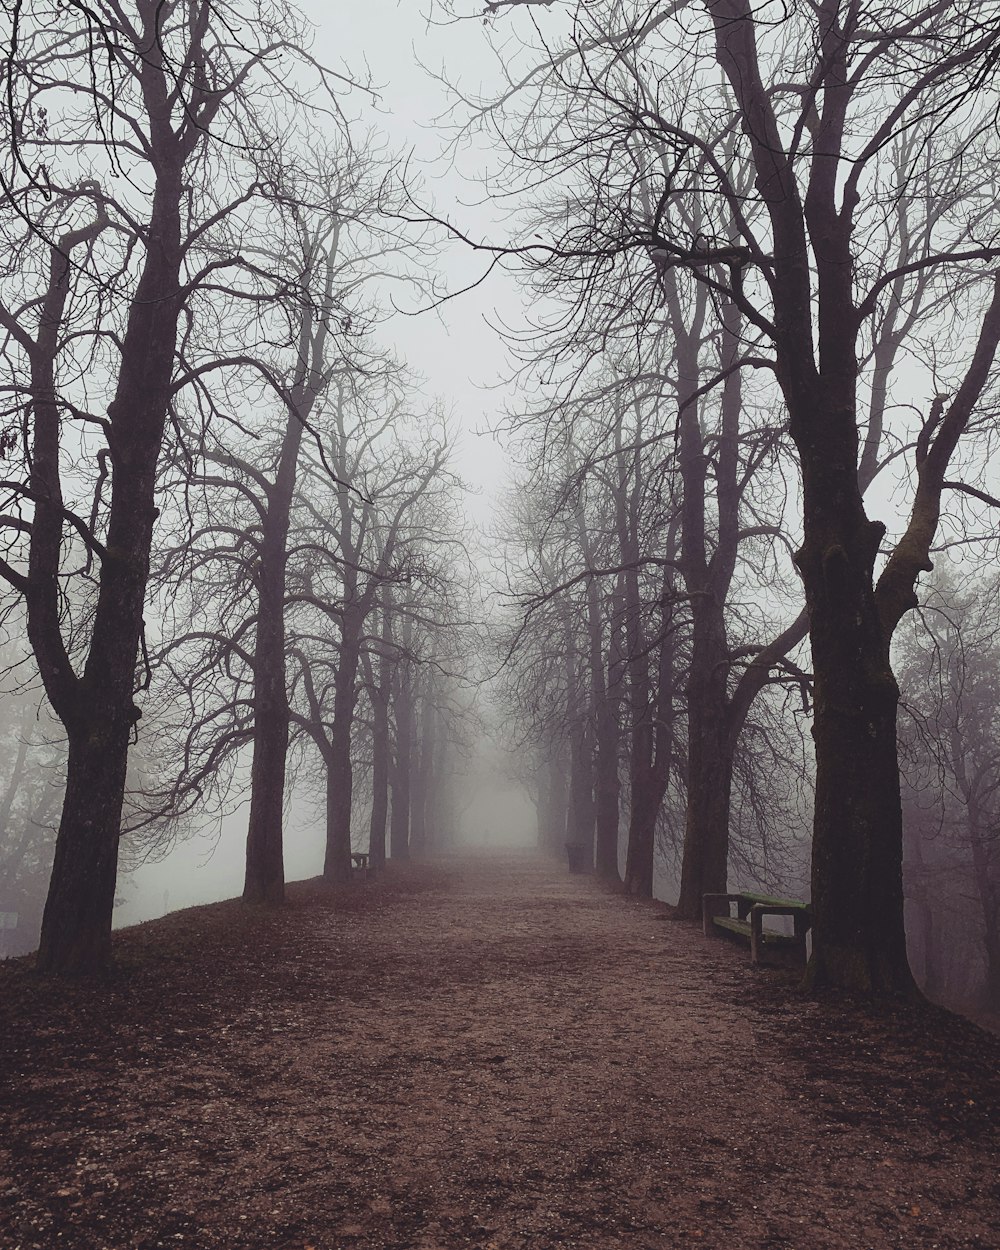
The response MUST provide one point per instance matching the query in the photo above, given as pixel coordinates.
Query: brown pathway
(482, 1052)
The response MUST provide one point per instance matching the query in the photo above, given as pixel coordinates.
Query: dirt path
(479, 1052)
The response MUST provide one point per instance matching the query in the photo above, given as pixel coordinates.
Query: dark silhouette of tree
(838, 114)
(115, 271)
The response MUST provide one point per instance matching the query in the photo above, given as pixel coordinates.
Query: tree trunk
(581, 815)
(704, 868)
(652, 739)
(380, 780)
(857, 890)
(647, 796)
(983, 855)
(607, 784)
(421, 832)
(265, 869)
(76, 928)
(381, 746)
(554, 809)
(399, 828)
(607, 792)
(707, 577)
(859, 941)
(98, 709)
(340, 771)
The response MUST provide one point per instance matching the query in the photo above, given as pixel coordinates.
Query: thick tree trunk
(264, 881)
(265, 869)
(648, 789)
(76, 929)
(337, 860)
(704, 868)
(98, 709)
(858, 932)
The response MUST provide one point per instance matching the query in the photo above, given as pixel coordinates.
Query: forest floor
(479, 1051)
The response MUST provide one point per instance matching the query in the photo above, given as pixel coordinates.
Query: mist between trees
(755, 402)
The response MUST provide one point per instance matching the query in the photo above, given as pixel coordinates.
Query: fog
(543, 558)
(493, 812)
(502, 496)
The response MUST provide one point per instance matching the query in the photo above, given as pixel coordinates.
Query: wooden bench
(748, 924)
(361, 865)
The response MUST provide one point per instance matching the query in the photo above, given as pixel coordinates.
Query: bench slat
(734, 926)
(742, 928)
(770, 901)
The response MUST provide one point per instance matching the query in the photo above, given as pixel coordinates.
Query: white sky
(454, 348)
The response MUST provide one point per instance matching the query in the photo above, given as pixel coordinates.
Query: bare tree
(118, 270)
(948, 675)
(814, 103)
(374, 534)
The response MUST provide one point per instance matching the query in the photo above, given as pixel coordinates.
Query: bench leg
(713, 905)
(756, 936)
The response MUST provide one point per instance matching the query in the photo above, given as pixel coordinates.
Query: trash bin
(579, 857)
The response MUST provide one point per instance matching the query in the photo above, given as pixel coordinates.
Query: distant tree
(949, 666)
(32, 757)
(390, 465)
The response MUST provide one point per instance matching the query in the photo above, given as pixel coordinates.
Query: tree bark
(652, 740)
(340, 770)
(711, 749)
(380, 742)
(76, 930)
(97, 709)
(265, 870)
